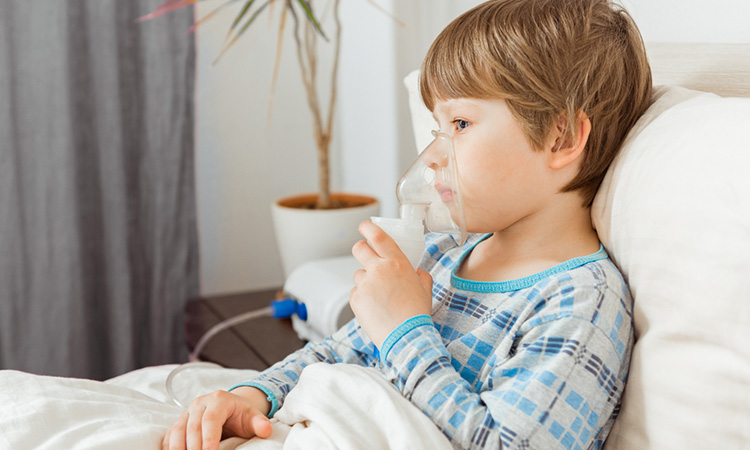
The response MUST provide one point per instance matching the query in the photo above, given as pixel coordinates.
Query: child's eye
(461, 124)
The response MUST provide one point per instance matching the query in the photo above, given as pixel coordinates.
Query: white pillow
(674, 214)
(674, 211)
(422, 121)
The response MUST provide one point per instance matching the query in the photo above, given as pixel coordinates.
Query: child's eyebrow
(448, 107)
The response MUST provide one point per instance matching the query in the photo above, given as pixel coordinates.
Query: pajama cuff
(271, 397)
(401, 330)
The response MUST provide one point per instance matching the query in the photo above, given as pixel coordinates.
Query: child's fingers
(194, 437)
(379, 240)
(165, 439)
(358, 275)
(211, 427)
(364, 254)
(426, 280)
(174, 439)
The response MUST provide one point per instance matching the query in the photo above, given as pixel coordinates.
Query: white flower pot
(304, 234)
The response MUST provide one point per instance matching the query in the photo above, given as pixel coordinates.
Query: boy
(521, 337)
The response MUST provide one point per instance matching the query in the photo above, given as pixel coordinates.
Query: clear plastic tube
(178, 369)
(213, 331)
(221, 326)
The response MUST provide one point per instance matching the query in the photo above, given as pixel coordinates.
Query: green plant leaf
(242, 30)
(252, 18)
(242, 13)
(311, 17)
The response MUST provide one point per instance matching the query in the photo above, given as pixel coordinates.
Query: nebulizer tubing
(278, 309)
(221, 326)
(178, 369)
(429, 197)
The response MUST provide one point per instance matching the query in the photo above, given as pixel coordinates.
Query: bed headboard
(723, 69)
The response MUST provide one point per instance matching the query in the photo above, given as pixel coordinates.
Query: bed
(133, 411)
(673, 211)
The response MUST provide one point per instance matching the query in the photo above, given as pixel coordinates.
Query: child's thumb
(261, 426)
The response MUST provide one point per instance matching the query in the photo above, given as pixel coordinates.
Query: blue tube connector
(287, 307)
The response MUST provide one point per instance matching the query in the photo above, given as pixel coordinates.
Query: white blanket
(333, 406)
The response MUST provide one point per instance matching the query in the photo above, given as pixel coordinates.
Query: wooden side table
(255, 344)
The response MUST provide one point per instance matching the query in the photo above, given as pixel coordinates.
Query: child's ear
(567, 149)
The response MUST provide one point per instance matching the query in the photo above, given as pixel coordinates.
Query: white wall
(244, 161)
(367, 135)
(243, 164)
(717, 21)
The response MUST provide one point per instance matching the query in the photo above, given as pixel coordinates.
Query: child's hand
(201, 426)
(388, 291)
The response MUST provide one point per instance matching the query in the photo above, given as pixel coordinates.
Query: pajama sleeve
(555, 388)
(348, 345)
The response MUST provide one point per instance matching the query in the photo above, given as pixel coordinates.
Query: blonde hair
(548, 59)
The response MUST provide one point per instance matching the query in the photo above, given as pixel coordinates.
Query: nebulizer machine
(318, 291)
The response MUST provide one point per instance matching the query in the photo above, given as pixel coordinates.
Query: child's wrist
(255, 396)
(400, 331)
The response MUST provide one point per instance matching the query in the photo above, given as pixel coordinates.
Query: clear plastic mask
(429, 190)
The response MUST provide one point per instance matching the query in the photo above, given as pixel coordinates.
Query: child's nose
(436, 155)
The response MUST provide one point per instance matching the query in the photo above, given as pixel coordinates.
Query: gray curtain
(98, 240)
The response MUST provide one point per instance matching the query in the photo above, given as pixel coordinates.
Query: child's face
(502, 178)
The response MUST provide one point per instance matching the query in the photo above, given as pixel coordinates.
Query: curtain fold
(98, 234)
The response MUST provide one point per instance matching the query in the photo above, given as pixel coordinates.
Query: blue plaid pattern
(539, 362)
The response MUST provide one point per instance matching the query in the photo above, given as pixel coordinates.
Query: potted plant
(329, 216)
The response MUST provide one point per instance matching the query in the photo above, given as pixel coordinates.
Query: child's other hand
(221, 413)
(388, 291)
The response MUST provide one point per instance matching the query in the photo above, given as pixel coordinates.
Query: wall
(718, 21)
(366, 134)
(244, 162)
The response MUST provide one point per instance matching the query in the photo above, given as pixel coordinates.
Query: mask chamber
(429, 197)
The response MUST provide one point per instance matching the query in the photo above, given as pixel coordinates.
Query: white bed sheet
(333, 406)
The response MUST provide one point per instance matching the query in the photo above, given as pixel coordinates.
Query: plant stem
(325, 183)
(322, 128)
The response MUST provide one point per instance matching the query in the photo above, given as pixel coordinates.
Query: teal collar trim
(520, 283)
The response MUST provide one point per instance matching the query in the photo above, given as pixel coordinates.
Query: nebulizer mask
(429, 198)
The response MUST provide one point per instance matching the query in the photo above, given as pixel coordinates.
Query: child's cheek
(472, 181)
